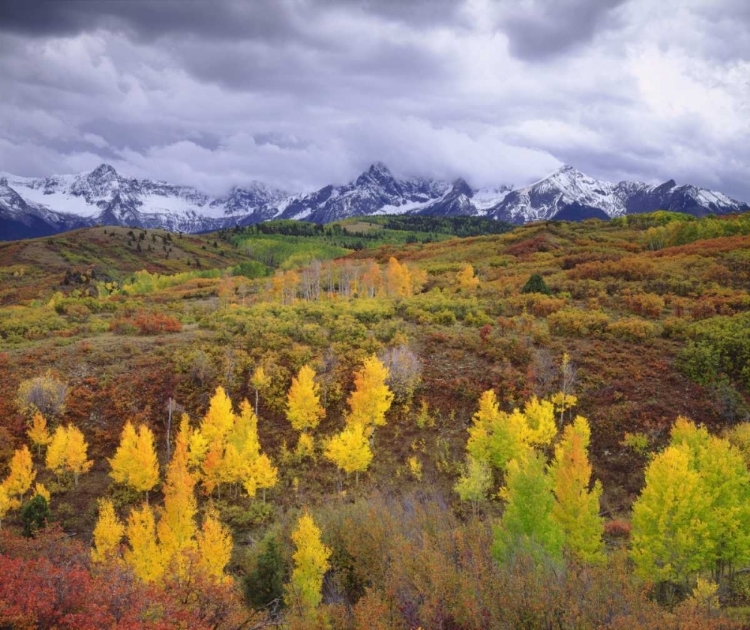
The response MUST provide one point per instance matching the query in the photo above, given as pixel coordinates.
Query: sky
(301, 93)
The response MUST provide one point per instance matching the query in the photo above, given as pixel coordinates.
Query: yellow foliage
(214, 546)
(398, 279)
(303, 401)
(466, 278)
(219, 419)
(371, 398)
(305, 446)
(176, 527)
(135, 463)
(310, 565)
(144, 556)
(21, 474)
(540, 419)
(38, 433)
(5, 503)
(41, 490)
(350, 450)
(107, 534)
(67, 452)
(415, 467)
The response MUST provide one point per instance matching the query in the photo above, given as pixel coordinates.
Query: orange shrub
(645, 304)
(633, 329)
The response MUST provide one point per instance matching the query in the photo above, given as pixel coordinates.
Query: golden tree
(176, 528)
(135, 463)
(466, 278)
(67, 453)
(259, 381)
(576, 507)
(20, 477)
(371, 398)
(5, 503)
(38, 432)
(304, 591)
(304, 411)
(219, 418)
(108, 533)
(144, 556)
(350, 450)
(214, 546)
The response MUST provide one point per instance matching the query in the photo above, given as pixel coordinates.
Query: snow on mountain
(569, 194)
(37, 206)
(103, 196)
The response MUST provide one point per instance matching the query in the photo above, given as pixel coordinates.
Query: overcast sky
(299, 93)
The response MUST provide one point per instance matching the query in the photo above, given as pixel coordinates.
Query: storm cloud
(299, 93)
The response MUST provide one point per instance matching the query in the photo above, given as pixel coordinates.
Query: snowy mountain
(39, 206)
(568, 194)
(104, 197)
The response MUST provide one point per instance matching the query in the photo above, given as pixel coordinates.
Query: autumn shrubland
(377, 424)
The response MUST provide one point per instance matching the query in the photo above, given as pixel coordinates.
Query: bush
(633, 329)
(577, 323)
(146, 324)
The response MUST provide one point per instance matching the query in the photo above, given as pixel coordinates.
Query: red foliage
(146, 324)
(617, 529)
(47, 583)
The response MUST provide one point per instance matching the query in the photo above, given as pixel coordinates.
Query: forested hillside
(397, 422)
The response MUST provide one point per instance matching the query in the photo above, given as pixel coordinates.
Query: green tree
(475, 482)
(527, 523)
(536, 284)
(34, 515)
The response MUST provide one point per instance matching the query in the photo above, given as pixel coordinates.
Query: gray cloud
(541, 29)
(299, 93)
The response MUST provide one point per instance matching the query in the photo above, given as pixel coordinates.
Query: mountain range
(31, 207)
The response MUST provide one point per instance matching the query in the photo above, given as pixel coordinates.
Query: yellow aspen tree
(497, 437)
(466, 278)
(135, 463)
(108, 534)
(211, 467)
(144, 556)
(474, 483)
(5, 503)
(398, 279)
(576, 507)
(55, 456)
(540, 420)
(259, 381)
(350, 450)
(21, 474)
(245, 432)
(310, 557)
(303, 409)
(372, 280)
(219, 418)
(176, 528)
(263, 474)
(38, 432)
(68, 453)
(371, 398)
(214, 546)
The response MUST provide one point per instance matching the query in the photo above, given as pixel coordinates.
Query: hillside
(645, 317)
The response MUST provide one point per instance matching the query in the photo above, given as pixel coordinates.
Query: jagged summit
(35, 206)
